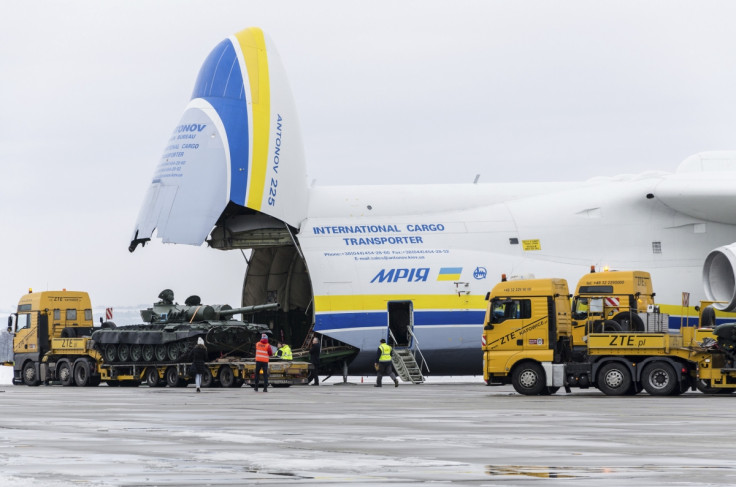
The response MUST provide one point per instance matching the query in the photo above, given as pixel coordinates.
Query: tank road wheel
(136, 352)
(64, 373)
(659, 379)
(152, 377)
(124, 352)
(30, 377)
(528, 378)
(110, 353)
(160, 353)
(147, 352)
(173, 351)
(207, 379)
(614, 379)
(226, 376)
(82, 375)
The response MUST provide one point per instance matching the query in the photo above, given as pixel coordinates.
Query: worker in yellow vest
(384, 365)
(284, 351)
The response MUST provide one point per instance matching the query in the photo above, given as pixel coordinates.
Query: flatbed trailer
(74, 361)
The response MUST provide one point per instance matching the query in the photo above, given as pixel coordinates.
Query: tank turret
(171, 330)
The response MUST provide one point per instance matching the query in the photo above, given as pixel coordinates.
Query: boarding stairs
(405, 362)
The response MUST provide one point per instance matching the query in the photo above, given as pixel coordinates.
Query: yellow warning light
(30, 290)
(503, 277)
(605, 268)
(592, 269)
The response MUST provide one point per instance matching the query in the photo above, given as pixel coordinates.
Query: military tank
(171, 330)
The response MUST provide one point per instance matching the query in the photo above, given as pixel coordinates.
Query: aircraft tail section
(238, 141)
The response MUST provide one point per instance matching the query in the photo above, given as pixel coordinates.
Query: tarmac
(458, 432)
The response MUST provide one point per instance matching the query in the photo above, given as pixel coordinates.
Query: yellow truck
(52, 342)
(534, 339)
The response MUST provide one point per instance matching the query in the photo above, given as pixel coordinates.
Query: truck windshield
(510, 309)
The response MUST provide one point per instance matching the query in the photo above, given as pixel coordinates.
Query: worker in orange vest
(263, 351)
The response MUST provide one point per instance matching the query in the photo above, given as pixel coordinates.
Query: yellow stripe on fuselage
(378, 302)
(253, 46)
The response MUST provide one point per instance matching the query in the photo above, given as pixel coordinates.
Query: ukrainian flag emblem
(449, 273)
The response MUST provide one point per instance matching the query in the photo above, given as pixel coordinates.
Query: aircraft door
(400, 323)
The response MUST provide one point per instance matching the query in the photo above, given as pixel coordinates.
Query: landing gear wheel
(82, 376)
(659, 379)
(64, 373)
(152, 377)
(136, 353)
(528, 378)
(147, 353)
(226, 376)
(160, 353)
(110, 353)
(124, 352)
(614, 379)
(173, 379)
(207, 379)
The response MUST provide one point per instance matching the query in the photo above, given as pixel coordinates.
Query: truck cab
(41, 317)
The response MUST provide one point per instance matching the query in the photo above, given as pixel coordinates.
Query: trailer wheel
(30, 376)
(173, 379)
(64, 373)
(82, 374)
(152, 377)
(659, 378)
(226, 376)
(614, 379)
(207, 379)
(704, 386)
(528, 378)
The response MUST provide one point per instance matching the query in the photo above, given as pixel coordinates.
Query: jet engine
(719, 277)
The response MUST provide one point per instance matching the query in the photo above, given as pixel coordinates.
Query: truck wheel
(30, 376)
(703, 386)
(614, 379)
(226, 376)
(528, 378)
(82, 374)
(629, 321)
(152, 377)
(659, 379)
(64, 373)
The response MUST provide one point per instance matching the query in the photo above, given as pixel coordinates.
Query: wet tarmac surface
(355, 434)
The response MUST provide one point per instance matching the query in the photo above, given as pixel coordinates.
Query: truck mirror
(10, 324)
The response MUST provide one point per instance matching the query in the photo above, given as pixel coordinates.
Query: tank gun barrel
(249, 309)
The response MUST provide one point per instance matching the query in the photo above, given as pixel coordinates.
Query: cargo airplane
(359, 263)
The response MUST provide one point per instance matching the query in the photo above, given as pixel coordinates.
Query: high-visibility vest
(262, 351)
(285, 352)
(385, 352)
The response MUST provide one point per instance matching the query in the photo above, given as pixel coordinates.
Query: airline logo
(405, 275)
(449, 273)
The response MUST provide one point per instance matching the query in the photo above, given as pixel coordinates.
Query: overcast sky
(387, 92)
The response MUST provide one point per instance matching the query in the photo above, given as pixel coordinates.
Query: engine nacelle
(719, 277)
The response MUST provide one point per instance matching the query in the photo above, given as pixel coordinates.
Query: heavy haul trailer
(529, 341)
(54, 341)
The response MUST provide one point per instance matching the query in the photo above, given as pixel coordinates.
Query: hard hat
(200, 341)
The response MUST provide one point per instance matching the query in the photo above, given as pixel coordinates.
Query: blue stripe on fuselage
(334, 321)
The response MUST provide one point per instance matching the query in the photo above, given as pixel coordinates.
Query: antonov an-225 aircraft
(356, 262)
